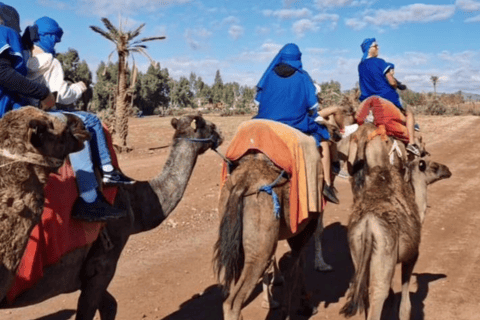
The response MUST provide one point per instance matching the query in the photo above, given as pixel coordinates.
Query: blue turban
(290, 54)
(366, 44)
(49, 34)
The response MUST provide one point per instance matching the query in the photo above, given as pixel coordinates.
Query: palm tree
(124, 46)
(434, 80)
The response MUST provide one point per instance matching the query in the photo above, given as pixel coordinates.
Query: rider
(13, 69)
(377, 79)
(286, 94)
(44, 68)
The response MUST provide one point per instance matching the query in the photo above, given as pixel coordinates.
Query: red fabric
(57, 234)
(384, 113)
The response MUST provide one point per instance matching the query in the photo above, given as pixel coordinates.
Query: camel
(249, 232)
(33, 144)
(148, 203)
(384, 230)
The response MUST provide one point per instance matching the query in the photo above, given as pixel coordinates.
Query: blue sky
(240, 38)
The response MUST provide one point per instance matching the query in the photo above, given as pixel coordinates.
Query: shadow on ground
(60, 315)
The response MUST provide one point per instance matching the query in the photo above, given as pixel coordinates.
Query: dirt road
(167, 273)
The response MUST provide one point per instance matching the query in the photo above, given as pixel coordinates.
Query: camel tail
(357, 298)
(229, 255)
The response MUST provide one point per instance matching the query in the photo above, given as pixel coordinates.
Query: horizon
(240, 39)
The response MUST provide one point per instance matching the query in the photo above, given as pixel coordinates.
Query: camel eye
(422, 165)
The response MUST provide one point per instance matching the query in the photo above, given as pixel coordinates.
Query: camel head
(32, 134)
(422, 172)
(196, 129)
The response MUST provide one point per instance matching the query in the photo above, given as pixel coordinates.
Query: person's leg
(410, 122)
(328, 190)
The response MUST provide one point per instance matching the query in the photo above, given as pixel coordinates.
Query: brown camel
(249, 232)
(33, 144)
(148, 203)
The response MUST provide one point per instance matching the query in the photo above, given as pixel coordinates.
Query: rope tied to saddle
(32, 158)
(269, 189)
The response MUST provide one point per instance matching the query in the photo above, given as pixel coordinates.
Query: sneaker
(349, 130)
(97, 211)
(330, 194)
(416, 127)
(116, 177)
(413, 148)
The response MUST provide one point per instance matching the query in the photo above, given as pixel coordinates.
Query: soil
(167, 273)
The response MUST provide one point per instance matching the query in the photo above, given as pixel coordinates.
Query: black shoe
(116, 177)
(97, 211)
(330, 194)
(336, 167)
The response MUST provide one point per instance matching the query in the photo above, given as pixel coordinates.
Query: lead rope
(269, 189)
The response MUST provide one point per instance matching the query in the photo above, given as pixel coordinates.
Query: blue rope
(269, 189)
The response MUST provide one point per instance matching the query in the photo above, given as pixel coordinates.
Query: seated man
(286, 94)
(376, 78)
(43, 68)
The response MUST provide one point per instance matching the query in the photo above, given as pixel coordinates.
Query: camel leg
(108, 307)
(405, 304)
(382, 268)
(260, 236)
(297, 244)
(320, 264)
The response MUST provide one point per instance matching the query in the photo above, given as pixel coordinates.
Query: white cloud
(326, 17)
(107, 7)
(192, 36)
(236, 31)
(468, 5)
(59, 5)
(415, 13)
(286, 14)
(473, 19)
(465, 58)
(302, 26)
(230, 20)
(332, 3)
(262, 30)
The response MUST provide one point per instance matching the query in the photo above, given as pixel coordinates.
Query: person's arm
(16, 83)
(67, 92)
(390, 75)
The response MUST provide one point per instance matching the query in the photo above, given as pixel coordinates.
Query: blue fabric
(373, 81)
(49, 33)
(11, 47)
(95, 151)
(366, 44)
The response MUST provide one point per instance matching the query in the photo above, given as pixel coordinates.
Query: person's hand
(48, 103)
(82, 86)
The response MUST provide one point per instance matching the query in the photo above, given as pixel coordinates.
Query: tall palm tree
(434, 80)
(125, 46)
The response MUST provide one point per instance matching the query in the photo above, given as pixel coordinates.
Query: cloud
(59, 5)
(262, 30)
(468, 5)
(107, 7)
(473, 19)
(302, 26)
(286, 14)
(326, 17)
(332, 3)
(230, 20)
(193, 35)
(236, 31)
(415, 13)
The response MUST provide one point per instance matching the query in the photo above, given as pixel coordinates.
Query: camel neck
(172, 182)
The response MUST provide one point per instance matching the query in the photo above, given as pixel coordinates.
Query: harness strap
(32, 158)
(269, 189)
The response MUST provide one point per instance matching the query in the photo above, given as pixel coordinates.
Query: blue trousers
(95, 152)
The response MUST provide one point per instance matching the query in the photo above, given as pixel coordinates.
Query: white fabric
(44, 68)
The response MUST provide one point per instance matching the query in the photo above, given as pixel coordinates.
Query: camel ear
(37, 130)
(77, 128)
(174, 123)
(200, 122)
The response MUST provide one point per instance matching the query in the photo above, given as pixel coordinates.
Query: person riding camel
(376, 79)
(44, 68)
(286, 93)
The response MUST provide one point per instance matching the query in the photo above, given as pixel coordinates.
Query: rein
(214, 148)
(32, 158)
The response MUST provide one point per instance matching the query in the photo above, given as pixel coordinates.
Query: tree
(217, 88)
(181, 96)
(434, 80)
(153, 90)
(124, 46)
(75, 71)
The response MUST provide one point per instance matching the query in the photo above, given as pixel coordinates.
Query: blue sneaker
(116, 177)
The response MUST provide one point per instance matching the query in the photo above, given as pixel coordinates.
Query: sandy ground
(167, 273)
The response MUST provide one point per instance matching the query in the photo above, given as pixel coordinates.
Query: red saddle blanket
(384, 113)
(291, 150)
(57, 233)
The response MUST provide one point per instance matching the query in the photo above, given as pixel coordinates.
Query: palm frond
(138, 46)
(103, 33)
(144, 53)
(136, 32)
(111, 28)
(149, 39)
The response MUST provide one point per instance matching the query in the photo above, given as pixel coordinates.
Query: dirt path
(167, 273)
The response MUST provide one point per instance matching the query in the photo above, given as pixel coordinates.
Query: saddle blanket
(384, 113)
(57, 233)
(292, 151)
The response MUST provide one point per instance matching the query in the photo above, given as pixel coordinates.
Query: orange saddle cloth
(292, 151)
(57, 233)
(384, 113)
